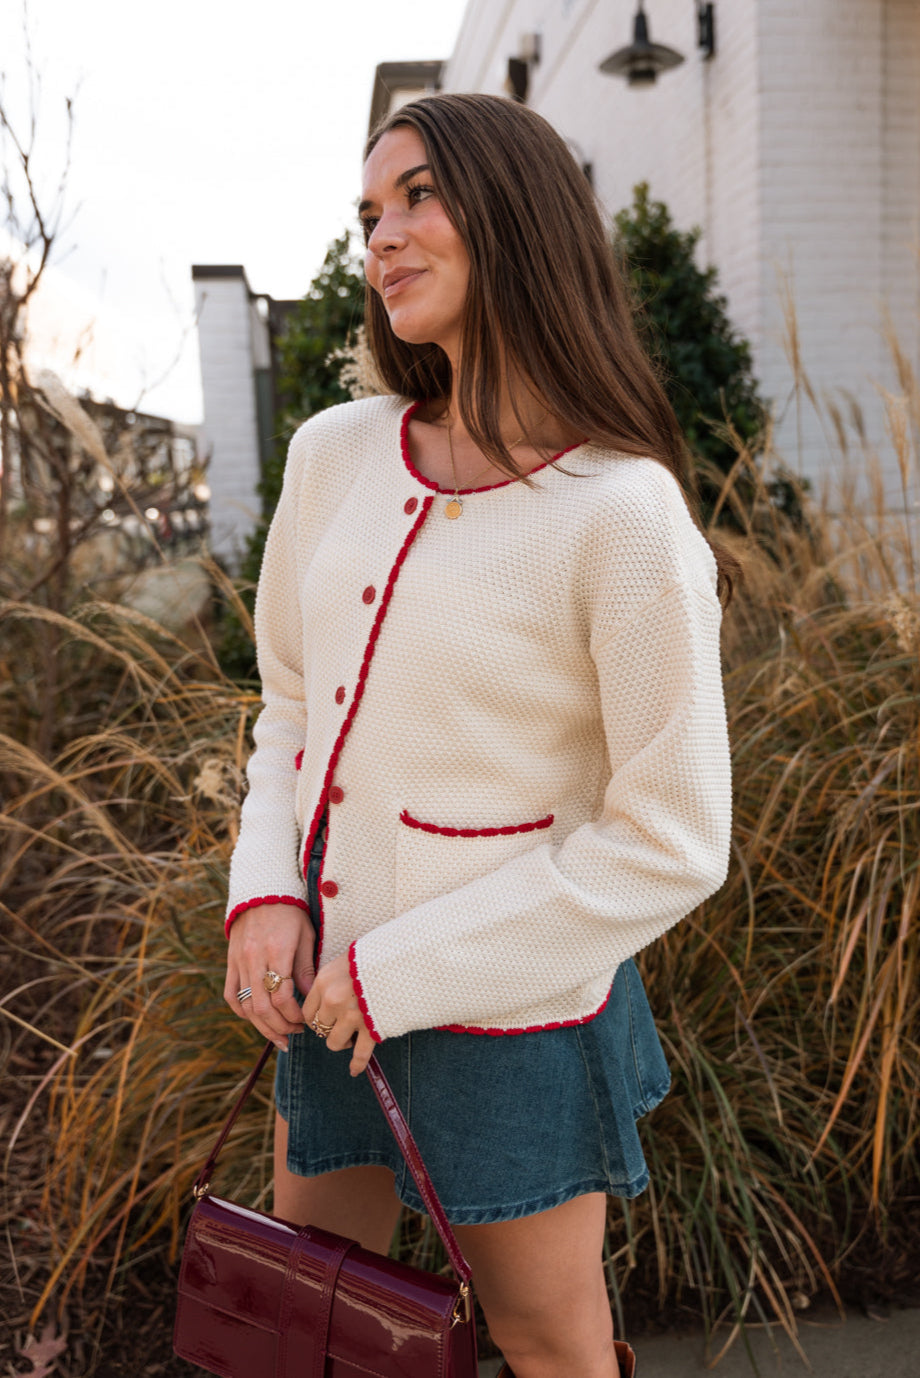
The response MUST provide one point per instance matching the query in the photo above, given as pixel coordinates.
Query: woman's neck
(524, 422)
(444, 451)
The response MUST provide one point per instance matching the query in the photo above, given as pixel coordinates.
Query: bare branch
(33, 224)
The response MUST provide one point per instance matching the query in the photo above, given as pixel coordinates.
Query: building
(789, 133)
(236, 332)
(395, 83)
(794, 145)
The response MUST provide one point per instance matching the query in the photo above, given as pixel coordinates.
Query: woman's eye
(415, 193)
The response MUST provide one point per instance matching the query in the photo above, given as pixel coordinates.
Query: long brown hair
(546, 302)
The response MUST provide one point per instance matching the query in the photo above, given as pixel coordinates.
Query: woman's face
(414, 258)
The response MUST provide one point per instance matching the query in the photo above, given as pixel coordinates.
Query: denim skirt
(507, 1125)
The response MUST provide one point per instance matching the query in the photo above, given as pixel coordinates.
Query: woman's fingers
(269, 941)
(364, 1048)
(303, 970)
(332, 993)
(284, 1001)
(269, 1020)
(235, 983)
(284, 997)
(333, 1005)
(343, 1032)
(350, 1031)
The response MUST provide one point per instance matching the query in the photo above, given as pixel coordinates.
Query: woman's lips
(400, 283)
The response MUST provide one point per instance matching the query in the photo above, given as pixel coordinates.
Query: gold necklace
(454, 508)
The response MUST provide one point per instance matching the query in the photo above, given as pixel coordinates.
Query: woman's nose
(386, 235)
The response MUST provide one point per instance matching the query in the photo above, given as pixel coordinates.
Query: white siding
(228, 330)
(900, 219)
(796, 149)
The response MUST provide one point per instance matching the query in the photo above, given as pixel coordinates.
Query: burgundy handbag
(261, 1298)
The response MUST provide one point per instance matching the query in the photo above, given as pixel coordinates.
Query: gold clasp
(463, 1311)
(199, 1191)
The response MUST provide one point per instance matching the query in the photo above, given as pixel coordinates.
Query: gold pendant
(453, 509)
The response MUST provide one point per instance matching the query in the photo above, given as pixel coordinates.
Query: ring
(271, 981)
(321, 1030)
(244, 994)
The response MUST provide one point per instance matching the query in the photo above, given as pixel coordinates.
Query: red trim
(359, 992)
(410, 822)
(263, 899)
(430, 483)
(532, 1028)
(298, 759)
(356, 699)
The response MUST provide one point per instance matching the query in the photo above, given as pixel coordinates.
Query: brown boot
(626, 1358)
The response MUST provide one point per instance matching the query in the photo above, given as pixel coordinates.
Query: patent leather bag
(262, 1298)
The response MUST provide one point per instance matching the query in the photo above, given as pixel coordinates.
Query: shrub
(788, 1003)
(706, 366)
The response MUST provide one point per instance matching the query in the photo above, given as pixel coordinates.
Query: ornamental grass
(784, 1163)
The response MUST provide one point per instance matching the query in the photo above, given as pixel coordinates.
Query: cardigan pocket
(433, 859)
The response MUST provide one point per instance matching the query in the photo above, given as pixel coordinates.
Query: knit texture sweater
(514, 721)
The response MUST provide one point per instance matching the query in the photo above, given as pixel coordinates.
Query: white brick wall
(900, 182)
(820, 70)
(228, 340)
(796, 149)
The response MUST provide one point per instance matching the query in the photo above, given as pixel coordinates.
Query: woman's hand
(270, 937)
(332, 1000)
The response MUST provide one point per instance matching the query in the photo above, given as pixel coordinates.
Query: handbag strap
(416, 1165)
(401, 1133)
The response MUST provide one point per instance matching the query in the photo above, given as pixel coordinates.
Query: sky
(203, 132)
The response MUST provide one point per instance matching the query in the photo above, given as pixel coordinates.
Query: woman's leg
(539, 1280)
(540, 1283)
(358, 1202)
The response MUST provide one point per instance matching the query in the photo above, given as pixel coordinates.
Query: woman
(492, 762)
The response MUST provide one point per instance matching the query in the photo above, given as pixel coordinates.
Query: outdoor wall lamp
(641, 62)
(706, 28)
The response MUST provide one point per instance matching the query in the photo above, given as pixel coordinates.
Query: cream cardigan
(515, 721)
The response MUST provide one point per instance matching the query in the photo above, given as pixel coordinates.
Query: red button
(411, 506)
(369, 594)
(329, 889)
(336, 794)
(340, 694)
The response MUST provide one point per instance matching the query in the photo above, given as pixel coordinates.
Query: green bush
(705, 365)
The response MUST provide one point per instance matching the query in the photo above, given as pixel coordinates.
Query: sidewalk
(856, 1348)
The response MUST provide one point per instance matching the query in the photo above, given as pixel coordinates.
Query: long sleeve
(513, 723)
(560, 918)
(266, 861)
